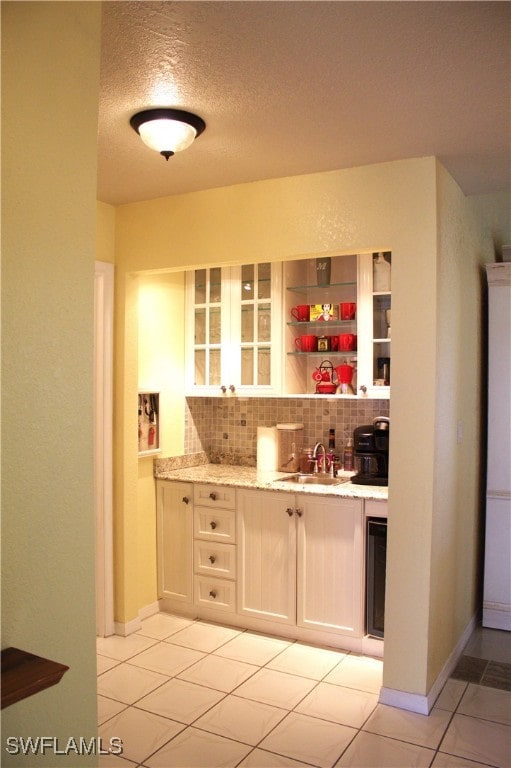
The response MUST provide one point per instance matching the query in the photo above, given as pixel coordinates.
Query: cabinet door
(330, 565)
(267, 555)
(374, 320)
(174, 535)
(233, 329)
(207, 329)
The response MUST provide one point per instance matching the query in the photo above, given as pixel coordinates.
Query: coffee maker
(371, 450)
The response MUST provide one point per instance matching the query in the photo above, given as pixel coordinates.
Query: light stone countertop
(250, 477)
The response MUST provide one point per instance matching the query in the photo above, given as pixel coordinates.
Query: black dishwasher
(376, 564)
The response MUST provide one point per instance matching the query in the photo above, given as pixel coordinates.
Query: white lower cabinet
(214, 547)
(300, 560)
(174, 511)
(267, 555)
(329, 565)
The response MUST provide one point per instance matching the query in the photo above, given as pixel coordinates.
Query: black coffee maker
(371, 448)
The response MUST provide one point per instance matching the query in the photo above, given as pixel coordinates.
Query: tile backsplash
(226, 429)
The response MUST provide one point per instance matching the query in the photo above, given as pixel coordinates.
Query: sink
(313, 479)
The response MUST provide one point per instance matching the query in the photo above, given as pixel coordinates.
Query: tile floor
(186, 694)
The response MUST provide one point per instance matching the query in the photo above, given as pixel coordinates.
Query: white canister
(290, 445)
(267, 447)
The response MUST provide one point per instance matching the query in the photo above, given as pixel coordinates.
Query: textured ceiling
(288, 88)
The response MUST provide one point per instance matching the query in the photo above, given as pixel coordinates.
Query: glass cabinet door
(254, 311)
(208, 323)
(232, 329)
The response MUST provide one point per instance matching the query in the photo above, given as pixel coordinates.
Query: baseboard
(135, 624)
(496, 616)
(423, 704)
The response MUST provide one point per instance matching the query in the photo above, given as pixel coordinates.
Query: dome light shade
(167, 130)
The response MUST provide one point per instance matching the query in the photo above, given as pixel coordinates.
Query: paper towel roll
(267, 448)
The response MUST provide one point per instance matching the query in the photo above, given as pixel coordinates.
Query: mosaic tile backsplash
(226, 429)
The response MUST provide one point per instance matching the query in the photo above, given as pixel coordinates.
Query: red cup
(348, 310)
(347, 342)
(334, 343)
(306, 343)
(301, 313)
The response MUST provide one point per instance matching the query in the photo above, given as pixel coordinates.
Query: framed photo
(323, 312)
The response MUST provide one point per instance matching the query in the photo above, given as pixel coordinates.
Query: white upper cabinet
(233, 330)
(336, 326)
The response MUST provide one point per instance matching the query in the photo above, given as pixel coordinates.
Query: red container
(344, 373)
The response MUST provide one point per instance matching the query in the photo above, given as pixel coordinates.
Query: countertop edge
(250, 477)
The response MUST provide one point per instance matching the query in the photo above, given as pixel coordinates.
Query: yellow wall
(160, 369)
(50, 84)
(388, 206)
(105, 232)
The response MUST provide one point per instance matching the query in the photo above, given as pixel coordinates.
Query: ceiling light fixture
(167, 130)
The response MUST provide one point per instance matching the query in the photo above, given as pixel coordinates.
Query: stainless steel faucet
(315, 456)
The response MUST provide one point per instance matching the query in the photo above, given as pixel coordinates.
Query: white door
(103, 398)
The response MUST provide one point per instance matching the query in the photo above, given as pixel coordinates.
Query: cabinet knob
(290, 511)
(186, 500)
(212, 496)
(232, 387)
(211, 559)
(212, 594)
(212, 525)
(299, 512)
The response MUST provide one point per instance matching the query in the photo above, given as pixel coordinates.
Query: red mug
(334, 343)
(301, 313)
(306, 343)
(347, 342)
(348, 310)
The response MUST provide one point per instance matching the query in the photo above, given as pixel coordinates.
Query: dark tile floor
(487, 659)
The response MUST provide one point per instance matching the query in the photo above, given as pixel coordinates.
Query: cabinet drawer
(215, 559)
(215, 593)
(214, 496)
(214, 524)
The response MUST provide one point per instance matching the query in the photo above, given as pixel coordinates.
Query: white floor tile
(360, 672)
(258, 758)
(241, 719)
(198, 749)
(252, 648)
(276, 688)
(494, 644)
(423, 730)
(122, 648)
(114, 761)
(479, 740)
(103, 663)
(127, 683)
(180, 700)
(220, 674)
(452, 761)
(108, 708)
(142, 733)
(451, 694)
(306, 661)
(203, 637)
(339, 705)
(167, 659)
(308, 739)
(486, 703)
(370, 751)
(162, 625)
